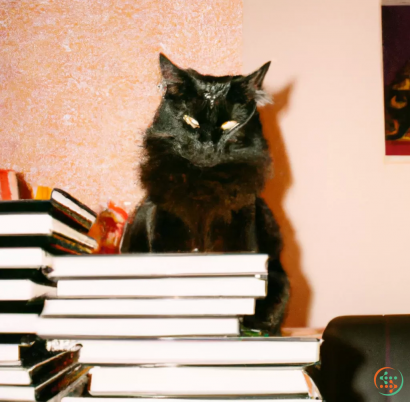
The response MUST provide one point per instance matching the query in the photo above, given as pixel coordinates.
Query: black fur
(203, 183)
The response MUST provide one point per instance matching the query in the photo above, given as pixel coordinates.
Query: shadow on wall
(274, 194)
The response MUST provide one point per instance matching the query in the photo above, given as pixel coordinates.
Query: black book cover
(34, 306)
(20, 339)
(45, 206)
(34, 274)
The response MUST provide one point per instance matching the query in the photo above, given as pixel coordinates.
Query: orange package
(108, 229)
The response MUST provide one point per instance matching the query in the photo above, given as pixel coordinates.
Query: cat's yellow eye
(403, 85)
(228, 125)
(191, 121)
(397, 104)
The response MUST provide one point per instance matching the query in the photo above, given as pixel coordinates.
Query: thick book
(61, 206)
(163, 287)
(24, 353)
(197, 351)
(18, 324)
(158, 265)
(148, 307)
(24, 258)
(25, 263)
(19, 227)
(61, 383)
(76, 328)
(35, 370)
(54, 244)
(200, 381)
(14, 352)
(24, 289)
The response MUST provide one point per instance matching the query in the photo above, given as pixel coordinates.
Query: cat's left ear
(254, 82)
(257, 77)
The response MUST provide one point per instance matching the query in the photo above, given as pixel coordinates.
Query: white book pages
(227, 351)
(23, 289)
(18, 323)
(163, 287)
(149, 307)
(135, 327)
(154, 265)
(30, 257)
(196, 381)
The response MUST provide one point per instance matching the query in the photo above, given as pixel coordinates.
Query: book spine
(54, 365)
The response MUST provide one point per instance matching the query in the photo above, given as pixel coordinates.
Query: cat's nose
(205, 136)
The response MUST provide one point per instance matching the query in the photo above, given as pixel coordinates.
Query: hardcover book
(37, 370)
(61, 383)
(163, 287)
(201, 351)
(201, 382)
(24, 258)
(76, 328)
(18, 229)
(61, 206)
(177, 307)
(23, 289)
(159, 265)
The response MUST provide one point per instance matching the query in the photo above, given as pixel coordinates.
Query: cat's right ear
(171, 73)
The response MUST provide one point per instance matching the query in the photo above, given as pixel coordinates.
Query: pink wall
(78, 83)
(344, 209)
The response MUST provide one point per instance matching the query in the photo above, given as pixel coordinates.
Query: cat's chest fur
(201, 196)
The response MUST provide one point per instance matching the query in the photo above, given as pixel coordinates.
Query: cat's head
(209, 120)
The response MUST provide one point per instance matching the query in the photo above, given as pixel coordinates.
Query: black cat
(206, 162)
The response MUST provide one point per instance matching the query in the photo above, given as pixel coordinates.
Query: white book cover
(158, 265)
(18, 323)
(9, 353)
(25, 257)
(218, 351)
(197, 381)
(148, 307)
(163, 287)
(40, 224)
(17, 393)
(23, 289)
(72, 328)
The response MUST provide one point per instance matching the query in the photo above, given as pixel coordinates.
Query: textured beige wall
(344, 209)
(78, 83)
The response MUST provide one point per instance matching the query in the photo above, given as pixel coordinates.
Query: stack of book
(127, 296)
(58, 225)
(161, 325)
(37, 375)
(217, 369)
(30, 232)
